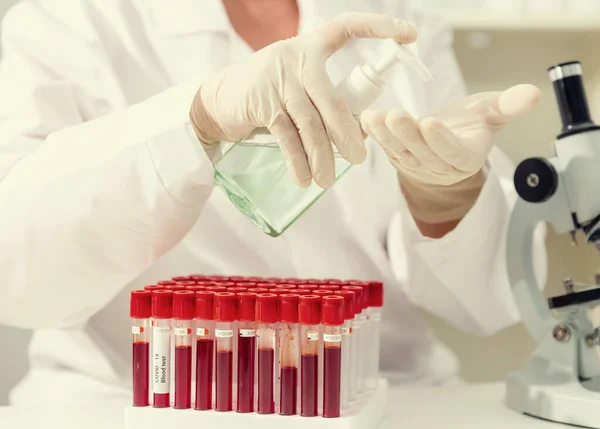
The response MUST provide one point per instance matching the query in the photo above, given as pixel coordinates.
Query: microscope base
(551, 392)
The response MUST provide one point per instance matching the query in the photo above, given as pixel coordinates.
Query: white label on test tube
(247, 332)
(136, 329)
(332, 338)
(224, 333)
(313, 336)
(201, 332)
(182, 331)
(161, 368)
(346, 330)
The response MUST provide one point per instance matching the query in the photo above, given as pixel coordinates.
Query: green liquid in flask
(255, 178)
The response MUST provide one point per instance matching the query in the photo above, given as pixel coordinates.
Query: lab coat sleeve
(462, 277)
(87, 205)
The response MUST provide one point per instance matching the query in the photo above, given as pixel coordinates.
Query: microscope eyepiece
(570, 96)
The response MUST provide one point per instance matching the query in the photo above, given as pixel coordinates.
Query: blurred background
(499, 43)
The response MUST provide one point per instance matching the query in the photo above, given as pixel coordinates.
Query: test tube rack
(365, 413)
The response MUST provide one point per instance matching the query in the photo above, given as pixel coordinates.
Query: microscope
(561, 381)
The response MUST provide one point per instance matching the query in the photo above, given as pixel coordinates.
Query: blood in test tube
(181, 278)
(301, 292)
(349, 309)
(289, 351)
(175, 287)
(184, 306)
(217, 289)
(309, 317)
(225, 314)
(356, 353)
(266, 319)
(166, 282)
(374, 314)
(258, 290)
(246, 314)
(140, 311)
(333, 319)
(153, 287)
(205, 327)
(162, 311)
(330, 287)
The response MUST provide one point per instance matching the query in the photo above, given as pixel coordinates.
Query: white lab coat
(104, 188)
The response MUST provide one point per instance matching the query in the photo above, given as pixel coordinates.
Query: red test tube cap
(153, 287)
(184, 305)
(375, 294)
(205, 283)
(330, 287)
(358, 300)
(302, 292)
(322, 292)
(218, 278)
(332, 307)
(246, 306)
(246, 284)
(175, 288)
(310, 286)
(313, 281)
(309, 310)
(236, 279)
(237, 289)
(280, 291)
(166, 282)
(289, 286)
(195, 288)
(226, 284)
(198, 276)
(178, 279)
(254, 279)
(288, 308)
(162, 304)
(349, 303)
(204, 305)
(267, 308)
(216, 288)
(273, 279)
(365, 295)
(333, 281)
(224, 307)
(258, 290)
(140, 304)
(265, 285)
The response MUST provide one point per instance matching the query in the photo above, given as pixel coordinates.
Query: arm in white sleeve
(86, 206)
(462, 277)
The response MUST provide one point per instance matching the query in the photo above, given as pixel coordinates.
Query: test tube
(246, 316)
(205, 327)
(288, 353)
(175, 287)
(266, 318)
(140, 311)
(366, 338)
(183, 323)
(333, 319)
(375, 310)
(225, 314)
(330, 287)
(348, 296)
(355, 351)
(162, 311)
(309, 317)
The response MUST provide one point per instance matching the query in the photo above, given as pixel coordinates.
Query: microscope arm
(529, 298)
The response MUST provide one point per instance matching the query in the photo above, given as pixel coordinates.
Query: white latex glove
(285, 88)
(441, 155)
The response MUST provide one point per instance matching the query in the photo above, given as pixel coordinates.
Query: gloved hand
(443, 154)
(285, 88)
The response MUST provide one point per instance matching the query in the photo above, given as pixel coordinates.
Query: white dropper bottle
(365, 83)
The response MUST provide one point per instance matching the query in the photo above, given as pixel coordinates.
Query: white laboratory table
(464, 407)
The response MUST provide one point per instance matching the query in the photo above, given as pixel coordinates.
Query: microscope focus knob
(536, 180)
